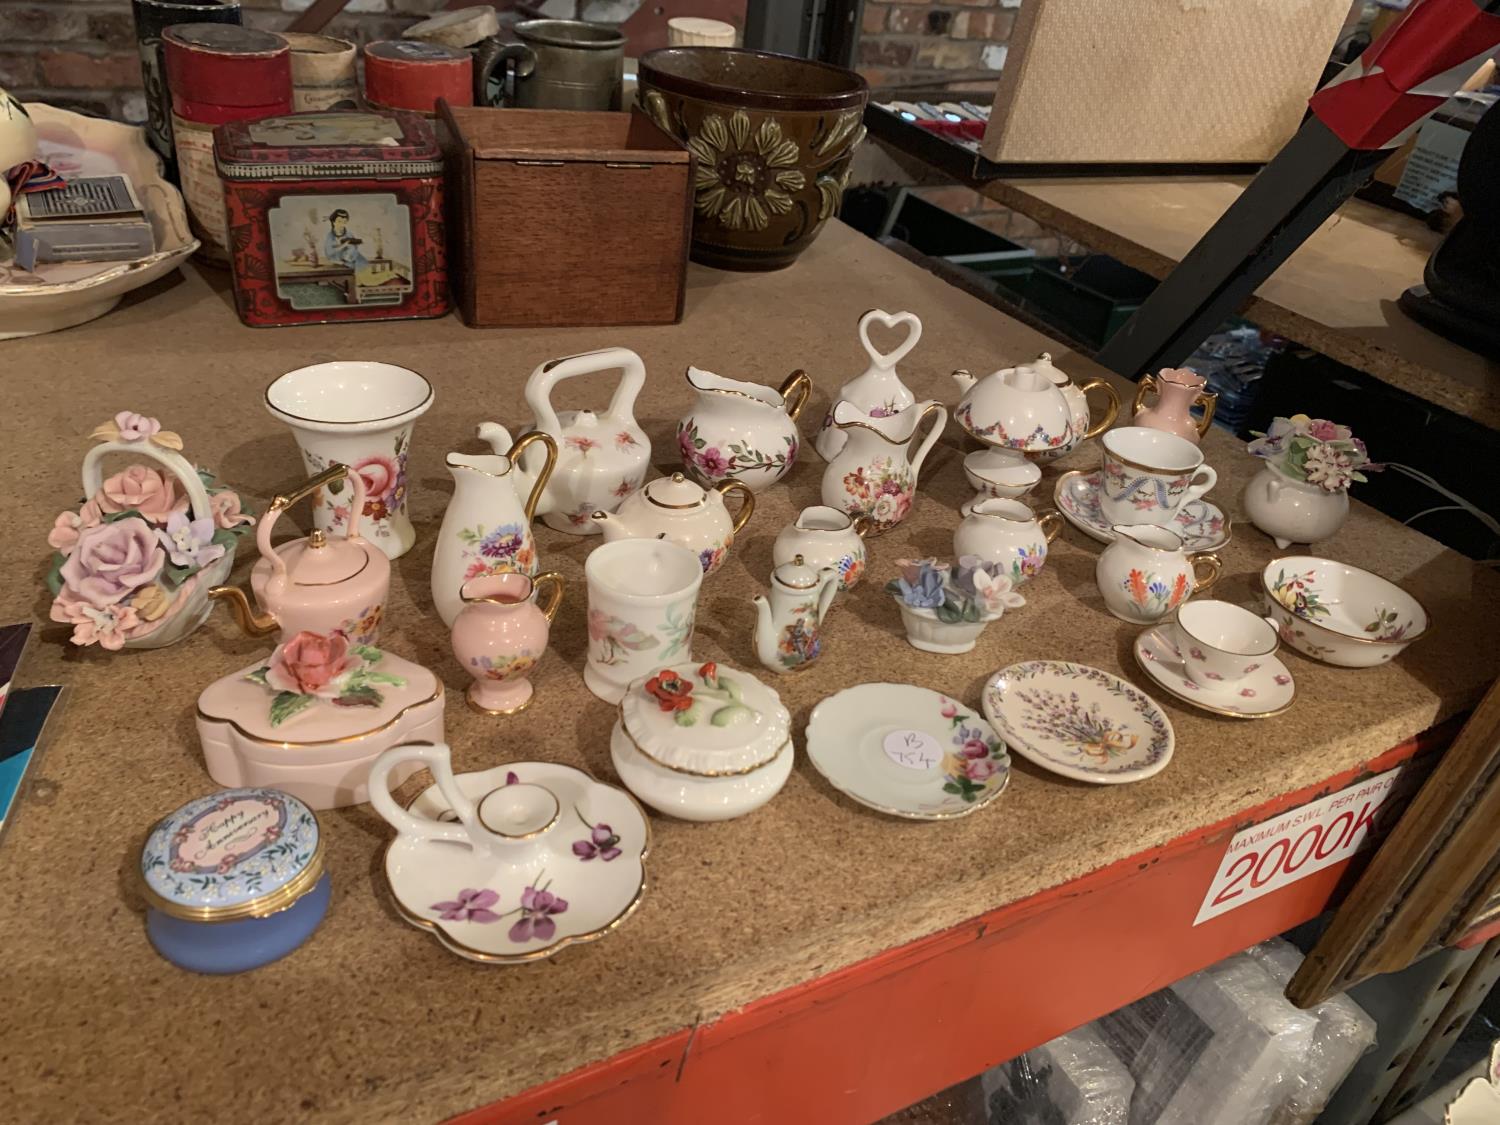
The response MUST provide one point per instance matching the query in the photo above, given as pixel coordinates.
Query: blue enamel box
(234, 880)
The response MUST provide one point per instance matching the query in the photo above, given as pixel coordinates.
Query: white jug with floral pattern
(875, 476)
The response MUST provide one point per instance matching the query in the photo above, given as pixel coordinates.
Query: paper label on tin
(343, 95)
(227, 834)
(913, 749)
(352, 129)
(200, 180)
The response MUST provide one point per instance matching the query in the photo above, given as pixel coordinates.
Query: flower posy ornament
(1314, 450)
(944, 608)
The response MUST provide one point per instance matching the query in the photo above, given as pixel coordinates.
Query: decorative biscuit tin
(334, 216)
(234, 880)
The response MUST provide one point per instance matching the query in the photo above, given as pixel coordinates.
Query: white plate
(1201, 523)
(473, 903)
(1267, 691)
(1081, 722)
(907, 751)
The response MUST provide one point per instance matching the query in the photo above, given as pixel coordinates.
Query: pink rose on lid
(149, 492)
(309, 662)
(112, 561)
(136, 427)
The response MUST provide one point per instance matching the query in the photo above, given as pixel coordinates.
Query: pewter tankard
(558, 64)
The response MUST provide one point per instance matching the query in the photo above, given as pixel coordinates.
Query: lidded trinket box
(702, 743)
(334, 216)
(310, 719)
(234, 880)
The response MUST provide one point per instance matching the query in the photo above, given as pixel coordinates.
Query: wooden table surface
(372, 1020)
(1337, 293)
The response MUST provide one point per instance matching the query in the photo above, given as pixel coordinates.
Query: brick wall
(81, 54)
(953, 44)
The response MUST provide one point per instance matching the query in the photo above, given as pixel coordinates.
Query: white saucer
(1080, 722)
(1201, 523)
(907, 751)
(1267, 691)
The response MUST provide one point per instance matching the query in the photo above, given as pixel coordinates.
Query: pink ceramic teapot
(315, 584)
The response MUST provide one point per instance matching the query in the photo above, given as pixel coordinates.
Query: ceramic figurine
(998, 474)
(316, 584)
(1301, 495)
(1340, 614)
(1150, 476)
(676, 509)
(1178, 390)
(601, 458)
(134, 565)
(1019, 408)
(487, 527)
(874, 476)
(879, 391)
(358, 414)
(741, 431)
(1145, 573)
(789, 625)
(945, 609)
(824, 536)
(510, 864)
(643, 596)
(702, 742)
(501, 634)
(1076, 395)
(234, 880)
(1009, 536)
(312, 716)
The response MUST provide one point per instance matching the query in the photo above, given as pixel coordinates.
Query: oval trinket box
(234, 880)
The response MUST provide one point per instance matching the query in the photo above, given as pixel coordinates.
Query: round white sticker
(913, 749)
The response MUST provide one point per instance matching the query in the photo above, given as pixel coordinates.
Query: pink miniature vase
(500, 634)
(1177, 389)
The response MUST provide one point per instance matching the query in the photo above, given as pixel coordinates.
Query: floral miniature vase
(1293, 511)
(878, 391)
(874, 476)
(1178, 390)
(741, 431)
(1145, 573)
(487, 526)
(500, 634)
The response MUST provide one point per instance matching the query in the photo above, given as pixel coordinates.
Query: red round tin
(410, 74)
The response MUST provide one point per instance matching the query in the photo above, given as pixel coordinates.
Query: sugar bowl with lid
(702, 743)
(234, 880)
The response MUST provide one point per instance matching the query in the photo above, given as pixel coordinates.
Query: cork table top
(371, 1019)
(1337, 293)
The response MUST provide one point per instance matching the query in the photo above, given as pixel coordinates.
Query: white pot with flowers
(1301, 495)
(945, 608)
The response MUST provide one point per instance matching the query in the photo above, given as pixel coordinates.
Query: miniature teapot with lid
(315, 584)
(1078, 404)
(601, 458)
(788, 624)
(676, 509)
(1025, 408)
(879, 391)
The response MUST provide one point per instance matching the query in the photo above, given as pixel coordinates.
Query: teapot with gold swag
(676, 509)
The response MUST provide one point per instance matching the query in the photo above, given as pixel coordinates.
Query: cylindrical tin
(152, 17)
(410, 74)
(217, 74)
(560, 64)
(234, 880)
(323, 72)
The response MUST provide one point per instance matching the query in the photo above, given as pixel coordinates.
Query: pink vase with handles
(500, 634)
(1177, 389)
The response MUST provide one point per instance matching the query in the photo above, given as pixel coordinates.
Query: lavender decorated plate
(1079, 722)
(1201, 523)
(907, 751)
(514, 863)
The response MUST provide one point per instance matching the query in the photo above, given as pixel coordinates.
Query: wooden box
(565, 218)
(1158, 81)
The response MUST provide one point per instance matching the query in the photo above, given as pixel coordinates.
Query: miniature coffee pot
(788, 625)
(315, 584)
(676, 509)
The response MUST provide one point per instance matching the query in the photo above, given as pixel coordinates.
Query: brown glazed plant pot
(772, 138)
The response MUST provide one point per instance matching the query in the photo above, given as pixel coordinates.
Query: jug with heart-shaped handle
(879, 391)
